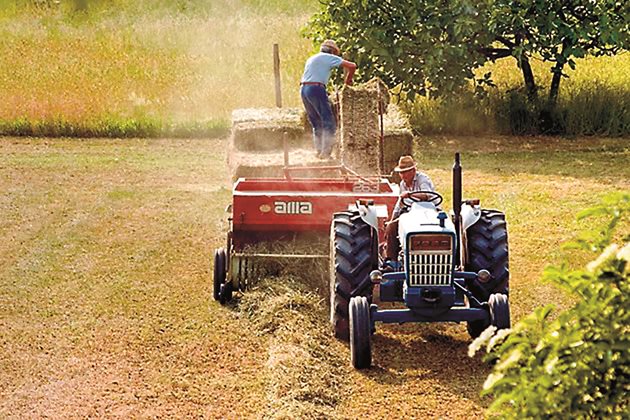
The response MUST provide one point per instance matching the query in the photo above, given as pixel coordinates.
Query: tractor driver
(314, 96)
(412, 180)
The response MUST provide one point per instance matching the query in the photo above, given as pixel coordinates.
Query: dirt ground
(105, 295)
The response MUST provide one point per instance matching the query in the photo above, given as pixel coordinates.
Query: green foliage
(576, 365)
(432, 46)
(110, 126)
(613, 208)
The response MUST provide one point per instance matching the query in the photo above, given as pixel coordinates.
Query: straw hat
(331, 44)
(405, 163)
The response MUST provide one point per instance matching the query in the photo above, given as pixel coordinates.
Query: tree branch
(495, 53)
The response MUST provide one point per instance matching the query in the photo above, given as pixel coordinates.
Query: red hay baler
(272, 209)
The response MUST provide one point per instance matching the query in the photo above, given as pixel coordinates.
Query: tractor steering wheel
(414, 197)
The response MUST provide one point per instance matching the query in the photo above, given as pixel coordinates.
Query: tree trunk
(528, 77)
(555, 84)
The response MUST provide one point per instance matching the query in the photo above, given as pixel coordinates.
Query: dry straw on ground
(302, 372)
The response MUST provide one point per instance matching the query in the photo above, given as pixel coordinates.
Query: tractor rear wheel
(219, 272)
(488, 249)
(360, 332)
(351, 261)
(499, 310)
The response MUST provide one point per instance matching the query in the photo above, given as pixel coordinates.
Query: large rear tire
(351, 261)
(488, 249)
(360, 333)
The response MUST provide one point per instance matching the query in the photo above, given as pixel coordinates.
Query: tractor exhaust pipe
(457, 200)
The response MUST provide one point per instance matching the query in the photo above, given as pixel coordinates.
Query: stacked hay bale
(256, 129)
(360, 146)
(256, 143)
(397, 138)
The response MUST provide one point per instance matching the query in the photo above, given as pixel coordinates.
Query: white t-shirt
(420, 182)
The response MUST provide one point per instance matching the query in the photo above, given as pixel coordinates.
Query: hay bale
(247, 164)
(397, 138)
(361, 131)
(264, 128)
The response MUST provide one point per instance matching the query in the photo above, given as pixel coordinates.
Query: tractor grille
(430, 268)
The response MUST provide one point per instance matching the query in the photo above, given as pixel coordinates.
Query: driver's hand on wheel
(405, 194)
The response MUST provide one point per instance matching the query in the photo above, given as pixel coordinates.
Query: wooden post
(276, 71)
(285, 148)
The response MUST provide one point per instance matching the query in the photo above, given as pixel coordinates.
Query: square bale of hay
(265, 128)
(249, 164)
(360, 130)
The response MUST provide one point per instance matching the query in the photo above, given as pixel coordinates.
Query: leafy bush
(576, 365)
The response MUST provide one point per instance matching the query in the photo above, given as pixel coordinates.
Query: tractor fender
(368, 213)
(469, 215)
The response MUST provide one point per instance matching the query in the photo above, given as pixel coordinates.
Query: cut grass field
(105, 298)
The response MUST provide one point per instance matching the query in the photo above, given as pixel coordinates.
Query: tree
(435, 46)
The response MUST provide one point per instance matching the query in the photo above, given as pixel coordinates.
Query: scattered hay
(303, 373)
(313, 272)
(264, 128)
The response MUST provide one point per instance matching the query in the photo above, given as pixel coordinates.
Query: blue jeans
(320, 116)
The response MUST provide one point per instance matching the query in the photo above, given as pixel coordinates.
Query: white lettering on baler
(293, 207)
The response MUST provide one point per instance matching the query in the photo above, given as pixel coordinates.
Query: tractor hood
(422, 218)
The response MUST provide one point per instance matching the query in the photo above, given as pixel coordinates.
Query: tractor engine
(428, 244)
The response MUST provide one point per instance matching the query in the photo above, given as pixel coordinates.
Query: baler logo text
(293, 207)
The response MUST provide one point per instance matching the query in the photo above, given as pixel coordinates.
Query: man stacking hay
(313, 92)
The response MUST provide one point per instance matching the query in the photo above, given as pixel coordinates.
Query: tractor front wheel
(360, 332)
(499, 310)
(351, 261)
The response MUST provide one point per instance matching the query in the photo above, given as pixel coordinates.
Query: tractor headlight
(484, 276)
(376, 276)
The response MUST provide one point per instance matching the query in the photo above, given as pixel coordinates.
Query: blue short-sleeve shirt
(318, 67)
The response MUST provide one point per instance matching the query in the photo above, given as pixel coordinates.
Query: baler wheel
(360, 333)
(488, 249)
(219, 272)
(499, 310)
(351, 261)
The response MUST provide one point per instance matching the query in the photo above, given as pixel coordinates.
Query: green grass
(105, 296)
(126, 69)
(593, 101)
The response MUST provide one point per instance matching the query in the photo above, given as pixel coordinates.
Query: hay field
(105, 299)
